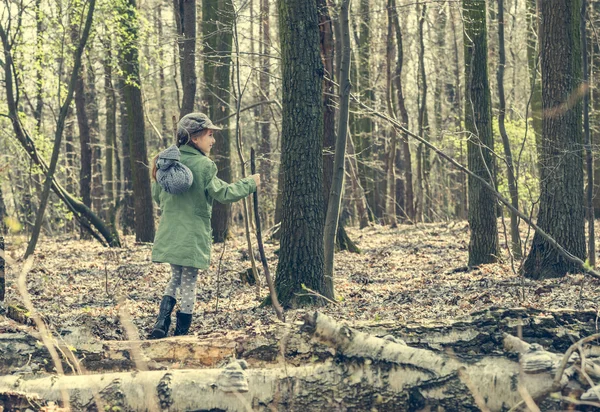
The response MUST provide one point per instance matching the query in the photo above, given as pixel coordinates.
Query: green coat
(184, 235)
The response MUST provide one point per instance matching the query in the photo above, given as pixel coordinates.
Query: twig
(261, 247)
(317, 294)
(565, 359)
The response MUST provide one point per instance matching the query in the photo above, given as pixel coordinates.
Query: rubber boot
(184, 320)
(161, 327)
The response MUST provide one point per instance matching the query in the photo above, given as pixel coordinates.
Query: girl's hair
(183, 138)
(154, 168)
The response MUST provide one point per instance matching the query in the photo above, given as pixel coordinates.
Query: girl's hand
(256, 178)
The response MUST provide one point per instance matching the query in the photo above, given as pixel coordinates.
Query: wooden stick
(261, 248)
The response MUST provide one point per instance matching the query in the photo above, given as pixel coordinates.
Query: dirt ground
(407, 274)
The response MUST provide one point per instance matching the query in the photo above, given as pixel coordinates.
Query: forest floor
(408, 274)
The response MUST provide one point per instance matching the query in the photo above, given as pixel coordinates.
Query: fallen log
(356, 371)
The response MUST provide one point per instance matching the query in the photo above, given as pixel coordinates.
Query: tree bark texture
(483, 244)
(185, 16)
(561, 212)
(535, 78)
(110, 136)
(409, 201)
(129, 61)
(301, 252)
(91, 98)
(217, 34)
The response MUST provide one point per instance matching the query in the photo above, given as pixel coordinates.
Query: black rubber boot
(161, 327)
(184, 320)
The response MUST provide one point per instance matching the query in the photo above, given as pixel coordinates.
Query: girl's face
(204, 141)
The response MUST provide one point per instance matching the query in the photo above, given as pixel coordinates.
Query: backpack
(173, 176)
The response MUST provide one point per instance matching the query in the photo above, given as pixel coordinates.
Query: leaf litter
(404, 275)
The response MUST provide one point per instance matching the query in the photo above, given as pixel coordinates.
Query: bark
(561, 212)
(39, 63)
(512, 184)
(483, 244)
(390, 202)
(357, 190)
(338, 172)
(110, 136)
(217, 23)
(166, 132)
(263, 110)
(587, 138)
(127, 221)
(535, 78)
(301, 256)
(407, 159)
(364, 132)
(85, 150)
(129, 61)
(185, 18)
(94, 117)
(327, 365)
(594, 12)
(423, 202)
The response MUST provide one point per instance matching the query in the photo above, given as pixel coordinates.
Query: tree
(483, 244)
(301, 252)
(185, 19)
(129, 62)
(217, 35)
(561, 212)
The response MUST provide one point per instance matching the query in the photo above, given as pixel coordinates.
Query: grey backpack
(173, 176)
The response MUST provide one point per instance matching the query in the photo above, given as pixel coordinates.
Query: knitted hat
(172, 175)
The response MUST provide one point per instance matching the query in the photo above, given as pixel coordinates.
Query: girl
(184, 235)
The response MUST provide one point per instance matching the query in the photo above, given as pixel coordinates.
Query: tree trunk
(167, 133)
(336, 185)
(92, 108)
(483, 245)
(129, 61)
(587, 137)
(390, 202)
(39, 66)
(185, 19)
(407, 159)
(110, 137)
(512, 184)
(85, 150)
(301, 256)
(217, 21)
(561, 212)
(127, 222)
(357, 190)
(535, 80)
(265, 167)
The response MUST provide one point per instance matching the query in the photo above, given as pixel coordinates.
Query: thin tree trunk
(110, 136)
(185, 18)
(423, 207)
(94, 117)
(337, 184)
(407, 163)
(535, 83)
(587, 138)
(357, 190)
(217, 23)
(126, 193)
(129, 61)
(390, 204)
(39, 66)
(483, 244)
(264, 112)
(166, 132)
(512, 184)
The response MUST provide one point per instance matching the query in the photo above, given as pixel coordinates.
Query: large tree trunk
(483, 245)
(129, 61)
(185, 19)
(217, 34)
(127, 220)
(301, 256)
(465, 366)
(561, 212)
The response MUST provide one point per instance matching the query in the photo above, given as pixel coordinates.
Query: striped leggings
(183, 278)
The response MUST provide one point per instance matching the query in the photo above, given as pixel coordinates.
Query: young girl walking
(185, 185)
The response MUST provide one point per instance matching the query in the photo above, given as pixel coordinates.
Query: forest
(405, 201)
